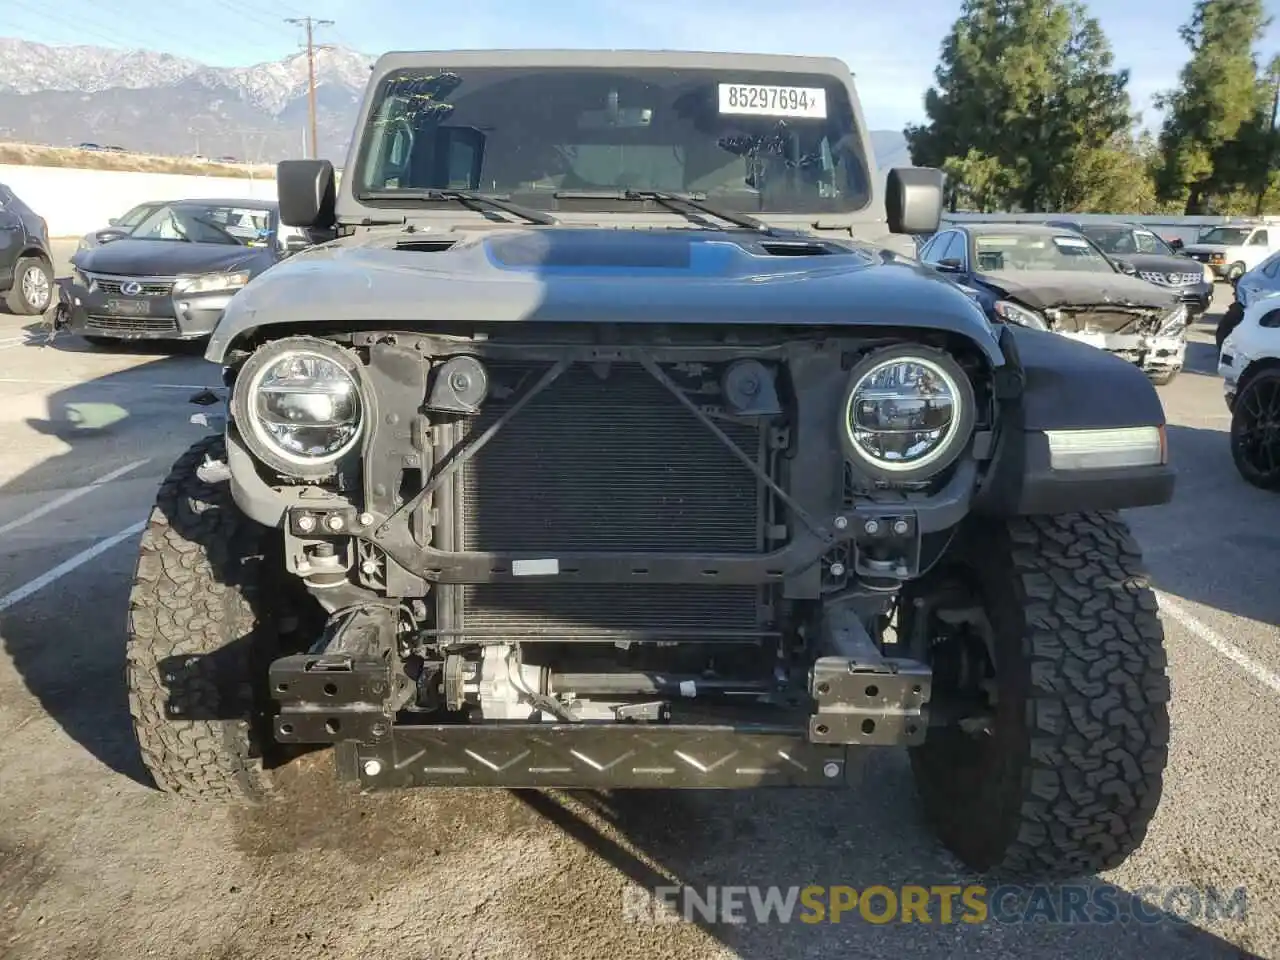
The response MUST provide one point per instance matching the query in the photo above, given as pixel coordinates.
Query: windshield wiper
(468, 198)
(679, 202)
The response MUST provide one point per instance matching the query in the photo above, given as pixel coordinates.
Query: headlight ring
(299, 405)
(908, 414)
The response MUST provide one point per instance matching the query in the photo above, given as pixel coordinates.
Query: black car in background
(1152, 258)
(1050, 278)
(118, 228)
(173, 273)
(26, 268)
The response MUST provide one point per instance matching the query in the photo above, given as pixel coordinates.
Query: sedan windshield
(742, 139)
(1226, 236)
(195, 222)
(1119, 241)
(1012, 252)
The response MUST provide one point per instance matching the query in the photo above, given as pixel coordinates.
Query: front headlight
(1173, 322)
(1011, 312)
(297, 402)
(212, 283)
(908, 415)
(1208, 274)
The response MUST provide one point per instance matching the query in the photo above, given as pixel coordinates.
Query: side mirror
(306, 191)
(913, 199)
(949, 265)
(106, 236)
(113, 221)
(1127, 268)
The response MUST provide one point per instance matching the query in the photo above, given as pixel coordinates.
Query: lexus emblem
(131, 288)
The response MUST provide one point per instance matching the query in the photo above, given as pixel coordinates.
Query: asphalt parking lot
(94, 863)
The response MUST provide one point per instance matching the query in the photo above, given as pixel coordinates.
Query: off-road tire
(1254, 385)
(16, 300)
(200, 640)
(1070, 776)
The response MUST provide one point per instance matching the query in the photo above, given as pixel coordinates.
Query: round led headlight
(297, 403)
(908, 415)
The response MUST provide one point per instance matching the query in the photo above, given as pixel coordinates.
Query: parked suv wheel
(32, 290)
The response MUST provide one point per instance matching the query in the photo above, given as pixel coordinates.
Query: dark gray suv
(26, 268)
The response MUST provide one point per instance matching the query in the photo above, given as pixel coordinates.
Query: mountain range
(157, 103)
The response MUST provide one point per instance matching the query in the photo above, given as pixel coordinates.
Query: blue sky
(891, 47)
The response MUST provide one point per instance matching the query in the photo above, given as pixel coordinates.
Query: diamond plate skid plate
(598, 756)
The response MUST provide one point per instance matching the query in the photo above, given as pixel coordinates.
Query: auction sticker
(1071, 243)
(767, 101)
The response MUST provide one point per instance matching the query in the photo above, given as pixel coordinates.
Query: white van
(1232, 250)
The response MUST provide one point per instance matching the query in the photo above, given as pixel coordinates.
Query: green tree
(1024, 90)
(1217, 96)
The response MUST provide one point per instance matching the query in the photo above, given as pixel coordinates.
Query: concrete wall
(73, 202)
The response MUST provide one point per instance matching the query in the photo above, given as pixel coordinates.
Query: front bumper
(1148, 351)
(1232, 362)
(170, 316)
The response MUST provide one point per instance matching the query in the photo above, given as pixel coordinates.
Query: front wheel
(1255, 429)
(201, 633)
(1063, 648)
(32, 290)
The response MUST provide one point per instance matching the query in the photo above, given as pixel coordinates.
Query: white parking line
(67, 566)
(11, 342)
(1202, 631)
(72, 495)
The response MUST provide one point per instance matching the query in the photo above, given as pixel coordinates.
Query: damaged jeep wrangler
(607, 437)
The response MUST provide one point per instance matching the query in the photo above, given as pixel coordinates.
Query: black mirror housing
(914, 199)
(306, 191)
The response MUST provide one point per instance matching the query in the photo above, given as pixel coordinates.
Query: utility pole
(310, 24)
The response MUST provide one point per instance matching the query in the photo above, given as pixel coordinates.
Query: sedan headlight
(297, 403)
(1011, 312)
(908, 415)
(212, 283)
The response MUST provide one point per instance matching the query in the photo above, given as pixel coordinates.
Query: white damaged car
(1249, 364)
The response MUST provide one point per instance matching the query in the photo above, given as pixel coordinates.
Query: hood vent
(800, 248)
(425, 246)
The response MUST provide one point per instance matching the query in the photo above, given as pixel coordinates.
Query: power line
(310, 24)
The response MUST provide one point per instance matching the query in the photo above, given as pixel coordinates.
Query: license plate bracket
(129, 308)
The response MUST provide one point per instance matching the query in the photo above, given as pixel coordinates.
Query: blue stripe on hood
(623, 253)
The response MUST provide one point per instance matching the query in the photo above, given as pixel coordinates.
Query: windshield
(1010, 252)
(748, 141)
(135, 216)
(1119, 241)
(211, 222)
(1226, 236)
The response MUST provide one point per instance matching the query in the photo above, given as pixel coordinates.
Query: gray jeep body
(604, 525)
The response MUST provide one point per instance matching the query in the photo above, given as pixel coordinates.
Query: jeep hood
(568, 275)
(1047, 289)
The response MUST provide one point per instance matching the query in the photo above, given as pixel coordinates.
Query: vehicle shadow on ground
(874, 837)
(1217, 543)
(66, 640)
(1201, 359)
